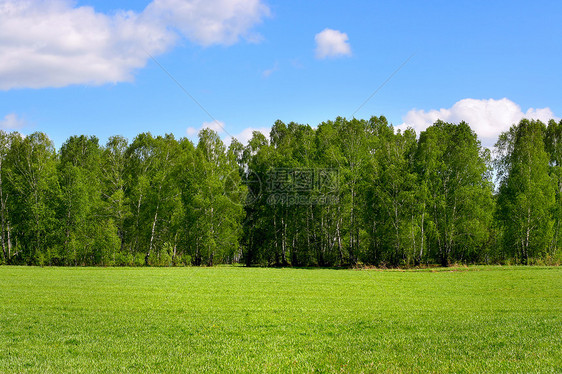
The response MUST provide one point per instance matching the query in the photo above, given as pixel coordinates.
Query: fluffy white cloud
(488, 118)
(332, 43)
(209, 22)
(53, 43)
(12, 122)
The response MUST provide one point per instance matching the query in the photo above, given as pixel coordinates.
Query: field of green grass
(234, 319)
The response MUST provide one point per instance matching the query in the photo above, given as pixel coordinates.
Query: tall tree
(154, 196)
(526, 193)
(257, 237)
(5, 235)
(454, 170)
(116, 203)
(352, 134)
(215, 223)
(554, 149)
(34, 188)
(79, 178)
(332, 218)
(389, 195)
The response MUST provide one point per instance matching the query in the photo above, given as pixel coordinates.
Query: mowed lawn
(235, 319)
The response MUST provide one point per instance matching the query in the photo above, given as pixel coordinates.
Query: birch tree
(526, 194)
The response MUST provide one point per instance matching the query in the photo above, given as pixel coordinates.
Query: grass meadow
(235, 319)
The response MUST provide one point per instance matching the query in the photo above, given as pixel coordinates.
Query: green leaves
(526, 192)
(34, 189)
(216, 206)
(347, 192)
(454, 174)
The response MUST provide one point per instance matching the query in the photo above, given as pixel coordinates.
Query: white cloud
(52, 43)
(217, 126)
(209, 22)
(332, 43)
(488, 118)
(243, 137)
(191, 131)
(246, 135)
(12, 122)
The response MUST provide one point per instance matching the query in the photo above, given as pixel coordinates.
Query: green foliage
(553, 141)
(34, 191)
(389, 189)
(123, 259)
(215, 223)
(526, 194)
(454, 172)
(348, 192)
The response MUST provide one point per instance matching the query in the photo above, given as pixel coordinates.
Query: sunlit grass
(492, 319)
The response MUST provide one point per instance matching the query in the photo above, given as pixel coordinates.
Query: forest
(348, 192)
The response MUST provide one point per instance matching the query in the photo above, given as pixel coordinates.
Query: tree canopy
(347, 192)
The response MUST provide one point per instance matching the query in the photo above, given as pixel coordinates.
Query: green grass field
(234, 319)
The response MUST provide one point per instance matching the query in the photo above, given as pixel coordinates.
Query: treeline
(348, 192)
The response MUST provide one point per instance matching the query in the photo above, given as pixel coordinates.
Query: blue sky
(83, 67)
